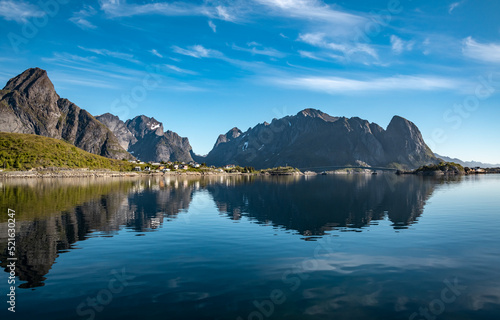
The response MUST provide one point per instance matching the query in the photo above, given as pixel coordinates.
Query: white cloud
(94, 83)
(180, 70)
(80, 18)
(113, 54)
(399, 46)
(120, 8)
(212, 26)
(223, 13)
(348, 50)
(257, 49)
(310, 55)
(453, 6)
(315, 12)
(488, 52)
(156, 53)
(198, 51)
(336, 85)
(310, 9)
(19, 11)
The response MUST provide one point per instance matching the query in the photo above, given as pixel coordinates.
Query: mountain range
(470, 164)
(315, 139)
(309, 139)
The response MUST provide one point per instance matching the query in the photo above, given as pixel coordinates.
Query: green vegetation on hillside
(27, 151)
(445, 167)
(280, 171)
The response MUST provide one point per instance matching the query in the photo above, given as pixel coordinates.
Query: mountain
(470, 164)
(30, 104)
(119, 129)
(315, 139)
(145, 139)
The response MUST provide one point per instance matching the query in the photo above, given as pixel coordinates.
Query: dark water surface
(323, 247)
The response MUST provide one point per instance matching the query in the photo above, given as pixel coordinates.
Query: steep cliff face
(118, 127)
(30, 104)
(314, 139)
(404, 143)
(144, 138)
(230, 135)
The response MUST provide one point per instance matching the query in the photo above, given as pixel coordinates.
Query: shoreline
(77, 173)
(104, 173)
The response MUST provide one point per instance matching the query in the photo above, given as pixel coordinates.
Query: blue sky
(203, 67)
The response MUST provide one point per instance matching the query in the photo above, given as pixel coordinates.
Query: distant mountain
(145, 139)
(470, 164)
(30, 104)
(315, 139)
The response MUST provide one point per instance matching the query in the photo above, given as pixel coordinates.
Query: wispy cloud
(198, 51)
(453, 6)
(80, 18)
(399, 46)
(93, 83)
(156, 53)
(338, 85)
(212, 26)
(347, 51)
(91, 65)
(120, 8)
(257, 49)
(487, 52)
(180, 70)
(112, 54)
(310, 55)
(310, 10)
(19, 11)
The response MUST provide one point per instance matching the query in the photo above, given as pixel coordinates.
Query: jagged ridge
(145, 139)
(313, 138)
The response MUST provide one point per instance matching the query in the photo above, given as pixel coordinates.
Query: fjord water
(322, 247)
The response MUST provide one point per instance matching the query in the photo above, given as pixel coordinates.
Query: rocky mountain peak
(315, 113)
(399, 126)
(122, 133)
(35, 84)
(108, 116)
(398, 122)
(234, 133)
(30, 104)
(230, 135)
(142, 125)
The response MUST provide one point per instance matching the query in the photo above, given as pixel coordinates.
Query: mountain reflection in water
(54, 214)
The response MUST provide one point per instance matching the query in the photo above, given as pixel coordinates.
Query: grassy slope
(26, 151)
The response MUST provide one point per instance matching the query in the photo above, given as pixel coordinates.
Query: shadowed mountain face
(54, 215)
(315, 139)
(144, 138)
(30, 104)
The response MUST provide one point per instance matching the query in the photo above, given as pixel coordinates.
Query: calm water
(324, 247)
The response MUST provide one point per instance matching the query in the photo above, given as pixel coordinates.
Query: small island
(448, 168)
